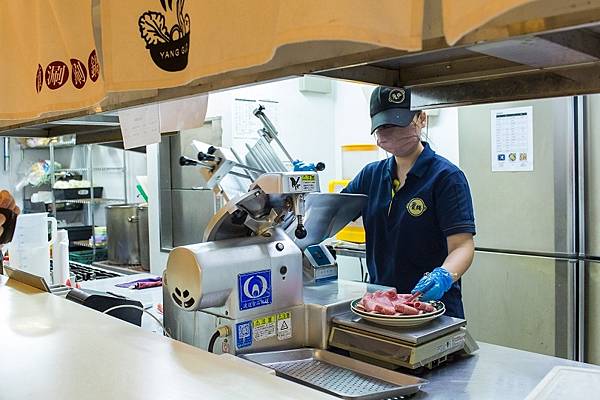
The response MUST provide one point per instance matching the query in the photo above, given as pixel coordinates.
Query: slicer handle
(9, 225)
(206, 157)
(300, 232)
(185, 161)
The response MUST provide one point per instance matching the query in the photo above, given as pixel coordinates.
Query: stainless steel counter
(148, 297)
(494, 372)
(52, 348)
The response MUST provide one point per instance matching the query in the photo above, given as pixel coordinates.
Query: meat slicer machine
(251, 286)
(262, 279)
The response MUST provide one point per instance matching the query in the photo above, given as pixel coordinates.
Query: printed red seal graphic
(57, 74)
(93, 66)
(39, 79)
(78, 73)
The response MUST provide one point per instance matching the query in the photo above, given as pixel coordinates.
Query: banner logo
(79, 73)
(57, 74)
(168, 48)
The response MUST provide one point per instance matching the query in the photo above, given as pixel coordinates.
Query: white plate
(438, 305)
(400, 322)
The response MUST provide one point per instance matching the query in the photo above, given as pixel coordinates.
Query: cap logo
(396, 96)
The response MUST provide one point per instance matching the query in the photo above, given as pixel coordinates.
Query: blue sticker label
(501, 157)
(254, 289)
(243, 334)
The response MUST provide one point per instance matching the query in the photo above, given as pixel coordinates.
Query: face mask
(400, 142)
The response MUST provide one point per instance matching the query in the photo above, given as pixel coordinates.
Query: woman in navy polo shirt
(419, 219)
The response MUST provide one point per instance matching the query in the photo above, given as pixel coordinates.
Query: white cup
(32, 229)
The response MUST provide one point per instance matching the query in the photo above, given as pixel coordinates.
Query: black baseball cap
(390, 106)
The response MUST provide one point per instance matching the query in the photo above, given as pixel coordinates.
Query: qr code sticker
(243, 334)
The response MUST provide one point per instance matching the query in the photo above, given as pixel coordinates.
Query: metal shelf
(100, 169)
(85, 243)
(61, 145)
(92, 204)
(88, 201)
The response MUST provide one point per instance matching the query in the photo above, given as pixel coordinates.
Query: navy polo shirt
(406, 234)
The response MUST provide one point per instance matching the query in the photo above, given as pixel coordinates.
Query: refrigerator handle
(581, 132)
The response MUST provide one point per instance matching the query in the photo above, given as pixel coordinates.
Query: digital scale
(319, 264)
(409, 347)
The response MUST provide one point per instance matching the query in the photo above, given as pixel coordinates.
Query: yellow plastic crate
(353, 232)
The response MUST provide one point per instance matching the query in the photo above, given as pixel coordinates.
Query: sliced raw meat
(379, 303)
(405, 308)
(424, 306)
(391, 303)
(368, 302)
(383, 305)
(391, 294)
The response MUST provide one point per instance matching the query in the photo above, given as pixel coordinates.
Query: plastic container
(356, 156)
(60, 257)
(89, 256)
(77, 193)
(353, 232)
(29, 249)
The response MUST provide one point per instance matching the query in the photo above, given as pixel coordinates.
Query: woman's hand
(7, 201)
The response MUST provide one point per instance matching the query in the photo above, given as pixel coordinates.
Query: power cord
(222, 331)
(141, 309)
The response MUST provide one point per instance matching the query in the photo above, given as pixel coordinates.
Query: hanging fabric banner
(49, 60)
(461, 17)
(150, 44)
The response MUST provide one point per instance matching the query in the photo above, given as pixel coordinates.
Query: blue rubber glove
(302, 166)
(439, 280)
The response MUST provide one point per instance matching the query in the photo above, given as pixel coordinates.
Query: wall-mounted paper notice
(245, 124)
(512, 139)
(140, 126)
(182, 114)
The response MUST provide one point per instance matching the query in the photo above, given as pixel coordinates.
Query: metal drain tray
(337, 375)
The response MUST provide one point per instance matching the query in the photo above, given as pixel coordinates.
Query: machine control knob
(283, 270)
(320, 166)
(300, 232)
(279, 246)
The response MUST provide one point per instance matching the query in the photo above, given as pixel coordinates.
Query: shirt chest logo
(416, 207)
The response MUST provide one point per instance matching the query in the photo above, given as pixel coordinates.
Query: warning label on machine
(309, 183)
(264, 328)
(302, 183)
(284, 326)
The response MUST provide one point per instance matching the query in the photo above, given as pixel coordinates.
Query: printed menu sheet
(140, 126)
(512, 139)
(245, 124)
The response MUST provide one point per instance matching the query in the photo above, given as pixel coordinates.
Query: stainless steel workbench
(494, 372)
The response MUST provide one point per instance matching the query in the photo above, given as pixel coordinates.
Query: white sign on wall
(182, 114)
(140, 126)
(245, 124)
(512, 139)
